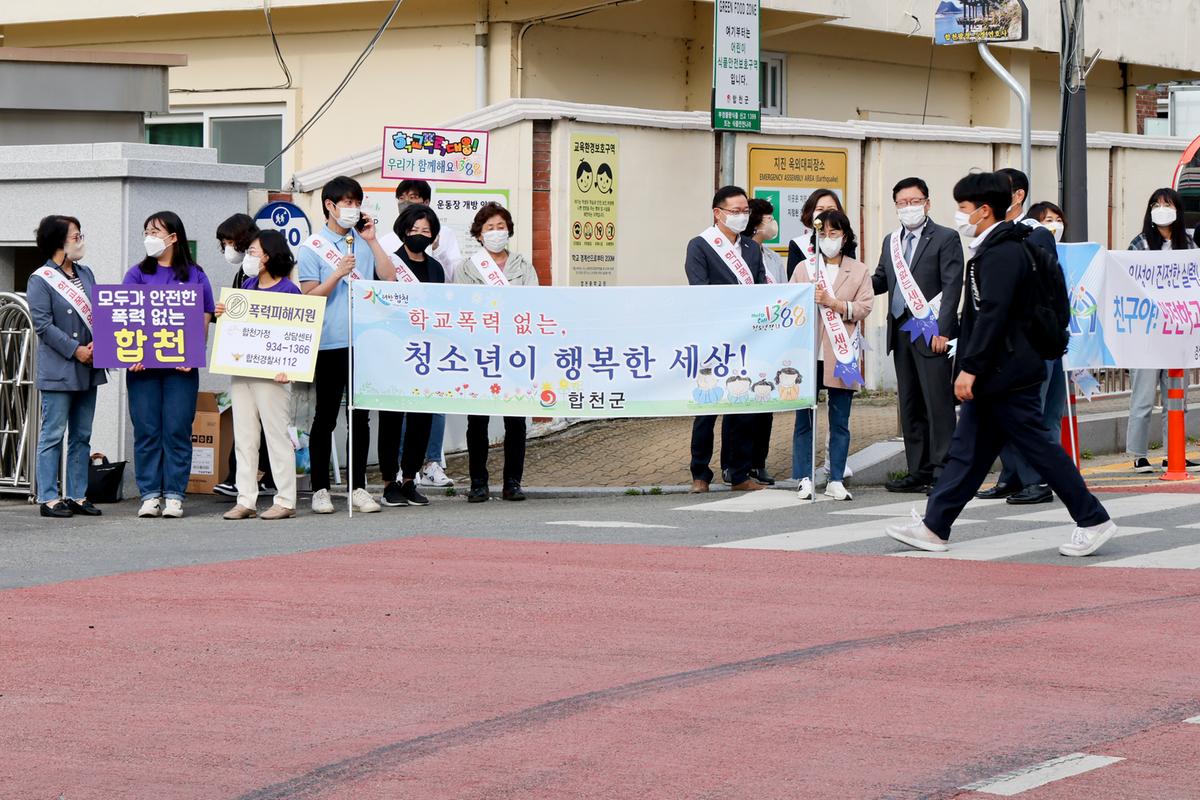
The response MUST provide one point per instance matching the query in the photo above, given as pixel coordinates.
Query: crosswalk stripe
(1056, 769)
(1007, 545)
(816, 538)
(1186, 557)
(902, 508)
(1121, 507)
(608, 523)
(750, 502)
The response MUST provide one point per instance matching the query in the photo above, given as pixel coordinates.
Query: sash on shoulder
(403, 273)
(845, 348)
(728, 254)
(69, 292)
(329, 254)
(489, 269)
(804, 242)
(924, 322)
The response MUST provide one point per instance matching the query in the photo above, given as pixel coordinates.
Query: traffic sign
(287, 218)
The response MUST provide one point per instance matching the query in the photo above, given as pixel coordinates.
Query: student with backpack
(1013, 320)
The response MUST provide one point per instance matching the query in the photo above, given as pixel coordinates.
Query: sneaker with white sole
(1085, 541)
(150, 508)
(173, 508)
(225, 489)
(916, 535)
(837, 491)
(362, 502)
(322, 503)
(433, 475)
(805, 490)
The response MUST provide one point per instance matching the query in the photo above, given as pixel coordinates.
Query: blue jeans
(839, 437)
(71, 412)
(437, 432)
(162, 404)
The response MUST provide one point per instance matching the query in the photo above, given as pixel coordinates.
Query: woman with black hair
(234, 236)
(1162, 229)
(417, 227)
(162, 401)
(60, 303)
(260, 404)
(803, 248)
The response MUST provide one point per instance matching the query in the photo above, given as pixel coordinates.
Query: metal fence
(1116, 381)
(19, 415)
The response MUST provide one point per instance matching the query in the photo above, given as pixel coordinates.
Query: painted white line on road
(1007, 545)
(1186, 557)
(750, 502)
(1193, 526)
(608, 523)
(1056, 769)
(1121, 507)
(816, 538)
(902, 508)
(1193, 721)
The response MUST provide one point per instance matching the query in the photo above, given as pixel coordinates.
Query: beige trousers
(257, 401)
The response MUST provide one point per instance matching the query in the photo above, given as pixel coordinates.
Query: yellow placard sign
(786, 176)
(262, 334)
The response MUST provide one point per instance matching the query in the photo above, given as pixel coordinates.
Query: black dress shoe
(85, 508)
(1031, 496)
(478, 494)
(762, 476)
(908, 485)
(513, 492)
(57, 511)
(999, 491)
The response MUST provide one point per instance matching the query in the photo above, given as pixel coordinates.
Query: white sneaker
(150, 508)
(837, 491)
(321, 502)
(805, 490)
(174, 508)
(362, 502)
(915, 534)
(432, 474)
(1085, 541)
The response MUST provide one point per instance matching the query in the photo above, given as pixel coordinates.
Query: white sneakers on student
(837, 491)
(1085, 541)
(321, 502)
(150, 508)
(363, 503)
(805, 490)
(916, 535)
(433, 475)
(173, 509)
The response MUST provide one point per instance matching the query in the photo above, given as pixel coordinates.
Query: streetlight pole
(1072, 137)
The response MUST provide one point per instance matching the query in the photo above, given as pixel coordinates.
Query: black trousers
(762, 440)
(330, 377)
(984, 426)
(264, 463)
(477, 449)
(925, 389)
(392, 457)
(738, 432)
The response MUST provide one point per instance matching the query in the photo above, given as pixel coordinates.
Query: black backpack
(1049, 318)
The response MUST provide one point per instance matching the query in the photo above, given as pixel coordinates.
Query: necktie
(898, 304)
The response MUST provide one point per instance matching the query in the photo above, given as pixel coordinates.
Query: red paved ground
(438, 668)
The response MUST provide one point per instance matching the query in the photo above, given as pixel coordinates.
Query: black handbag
(105, 479)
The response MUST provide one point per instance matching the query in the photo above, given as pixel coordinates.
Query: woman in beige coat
(851, 298)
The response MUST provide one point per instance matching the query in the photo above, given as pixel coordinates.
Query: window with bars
(772, 71)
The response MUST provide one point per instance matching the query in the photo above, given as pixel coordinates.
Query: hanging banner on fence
(152, 326)
(572, 352)
(262, 334)
(593, 250)
(1132, 309)
(434, 154)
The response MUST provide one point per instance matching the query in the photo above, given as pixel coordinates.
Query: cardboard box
(212, 439)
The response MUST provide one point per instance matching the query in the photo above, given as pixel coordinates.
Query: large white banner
(1150, 311)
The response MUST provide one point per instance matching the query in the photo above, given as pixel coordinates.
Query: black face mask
(417, 242)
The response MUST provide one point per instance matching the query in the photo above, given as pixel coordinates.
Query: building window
(240, 135)
(772, 71)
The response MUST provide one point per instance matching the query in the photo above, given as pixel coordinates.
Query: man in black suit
(1020, 482)
(999, 381)
(924, 379)
(731, 213)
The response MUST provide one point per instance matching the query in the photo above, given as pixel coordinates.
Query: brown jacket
(853, 283)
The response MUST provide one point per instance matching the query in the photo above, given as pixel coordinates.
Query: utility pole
(1072, 137)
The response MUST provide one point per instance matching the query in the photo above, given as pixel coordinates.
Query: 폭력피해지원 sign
(736, 90)
(262, 334)
(154, 326)
(434, 154)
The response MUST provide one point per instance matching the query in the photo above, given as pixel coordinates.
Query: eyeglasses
(743, 210)
(76, 238)
(911, 203)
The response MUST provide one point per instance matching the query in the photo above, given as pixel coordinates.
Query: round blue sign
(287, 218)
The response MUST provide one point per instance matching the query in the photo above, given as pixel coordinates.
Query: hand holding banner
(262, 334)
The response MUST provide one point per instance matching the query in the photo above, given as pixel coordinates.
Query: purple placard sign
(155, 326)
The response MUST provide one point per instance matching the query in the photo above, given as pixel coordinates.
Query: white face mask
(962, 221)
(1162, 216)
(911, 216)
(75, 251)
(155, 246)
(831, 247)
(233, 256)
(736, 222)
(348, 216)
(252, 265)
(771, 230)
(1055, 228)
(495, 241)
